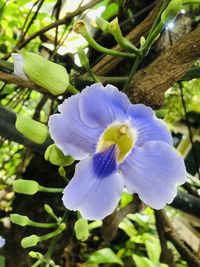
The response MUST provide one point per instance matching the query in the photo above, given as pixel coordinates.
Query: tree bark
(150, 83)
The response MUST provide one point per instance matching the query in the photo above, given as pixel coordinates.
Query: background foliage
(134, 235)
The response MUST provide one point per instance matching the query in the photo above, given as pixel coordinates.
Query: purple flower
(118, 144)
(2, 241)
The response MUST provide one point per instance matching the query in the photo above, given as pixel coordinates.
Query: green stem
(94, 77)
(155, 29)
(37, 263)
(50, 190)
(116, 32)
(157, 20)
(132, 73)
(103, 49)
(72, 89)
(50, 235)
(42, 225)
(53, 242)
(152, 38)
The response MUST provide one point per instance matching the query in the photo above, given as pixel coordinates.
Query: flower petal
(95, 197)
(100, 106)
(153, 171)
(18, 65)
(69, 133)
(147, 126)
(2, 241)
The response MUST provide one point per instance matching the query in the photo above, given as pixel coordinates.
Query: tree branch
(172, 236)
(166, 255)
(149, 84)
(108, 63)
(55, 24)
(11, 78)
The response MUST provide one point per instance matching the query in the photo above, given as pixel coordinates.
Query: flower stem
(72, 89)
(50, 189)
(37, 263)
(103, 49)
(155, 30)
(132, 73)
(42, 225)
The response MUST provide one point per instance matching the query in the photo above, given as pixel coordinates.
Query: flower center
(120, 135)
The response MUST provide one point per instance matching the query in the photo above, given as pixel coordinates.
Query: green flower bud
(81, 229)
(35, 255)
(172, 10)
(19, 219)
(54, 155)
(28, 187)
(142, 41)
(44, 73)
(31, 129)
(62, 172)
(62, 226)
(30, 241)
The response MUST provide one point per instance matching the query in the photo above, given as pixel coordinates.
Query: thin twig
(57, 23)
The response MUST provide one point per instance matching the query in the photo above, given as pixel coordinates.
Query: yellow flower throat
(120, 135)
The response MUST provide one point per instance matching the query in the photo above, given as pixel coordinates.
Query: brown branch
(11, 78)
(108, 62)
(172, 236)
(166, 255)
(149, 84)
(55, 24)
(110, 223)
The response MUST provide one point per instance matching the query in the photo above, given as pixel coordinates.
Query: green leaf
(2, 261)
(153, 249)
(127, 226)
(105, 255)
(142, 261)
(81, 229)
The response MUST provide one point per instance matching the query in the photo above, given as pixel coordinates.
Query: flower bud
(142, 41)
(81, 229)
(31, 129)
(62, 172)
(28, 187)
(30, 241)
(171, 11)
(54, 155)
(19, 219)
(42, 72)
(62, 226)
(35, 255)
